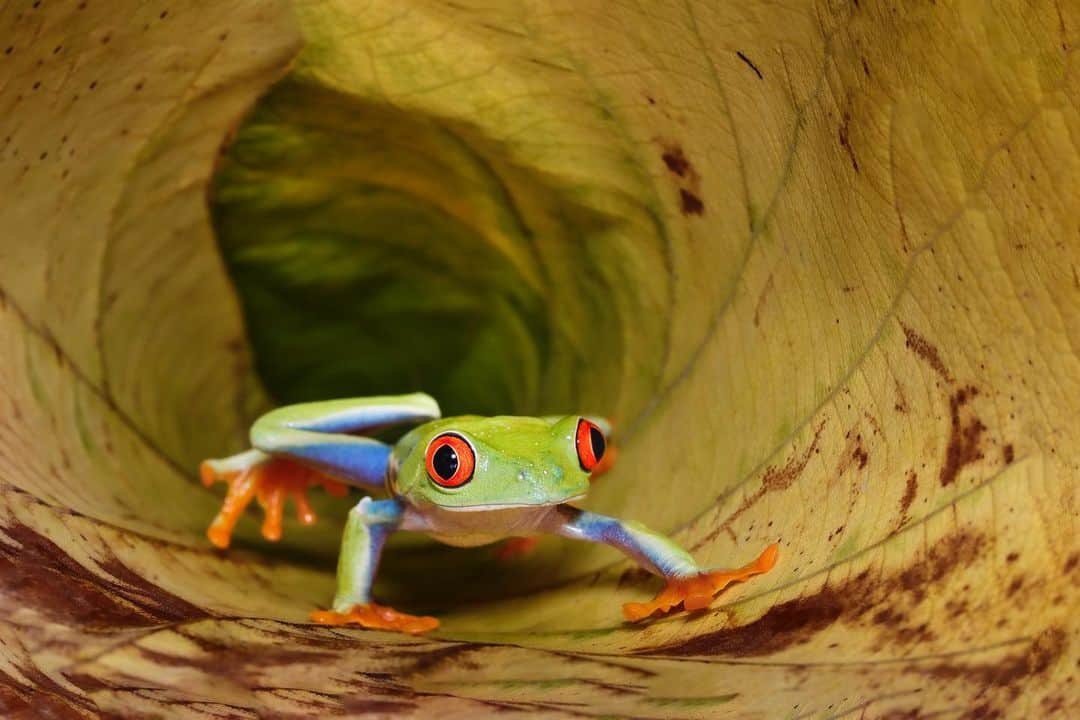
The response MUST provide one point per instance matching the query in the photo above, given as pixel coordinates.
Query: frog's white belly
(467, 528)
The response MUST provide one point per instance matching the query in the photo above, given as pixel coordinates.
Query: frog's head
(481, 463)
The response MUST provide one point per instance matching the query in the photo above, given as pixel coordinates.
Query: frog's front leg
(687, 583)
(369, 524)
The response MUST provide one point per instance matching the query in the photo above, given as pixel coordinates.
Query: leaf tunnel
(820, 261)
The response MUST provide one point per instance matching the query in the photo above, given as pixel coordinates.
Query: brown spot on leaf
(785, 625)
(148, 595)
(903, 714)
(901, 404)
(874, 424)
(761, 300)
(854, 452)
(690, 203)
(243, 664)
(860, 456)
(39, 574)
(1004, 677)
(44, 698)
(956, 608)
(911, 489)
(378, 708)
(676, 161)
(925, 350)
(784, 477)
(773, 480)
(1008, 453)
(428, 661)
(750, 64)
(982, 711)
(842, 134)
(1052, 705)
(964, 437)
(889, 616)
(940, 561)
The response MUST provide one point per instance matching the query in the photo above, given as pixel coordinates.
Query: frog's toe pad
(377, 617)
(696, 592)
(210, 472)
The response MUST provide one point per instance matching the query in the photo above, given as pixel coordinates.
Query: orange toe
(696, 592)
(219, 536)
(242, 489)
(377, 617)
(304, 513)
(273, 502)
(207, 474)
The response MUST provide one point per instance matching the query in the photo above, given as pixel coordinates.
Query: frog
(465, 481)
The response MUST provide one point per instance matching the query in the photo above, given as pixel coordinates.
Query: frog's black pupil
(597, 439)
(445, 462)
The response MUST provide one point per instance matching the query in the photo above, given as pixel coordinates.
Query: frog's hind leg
(298, 446)
(687, 584)
(255, 474)
(327, 435)
(369, 524)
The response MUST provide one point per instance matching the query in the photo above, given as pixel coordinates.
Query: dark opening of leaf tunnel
(377, 251)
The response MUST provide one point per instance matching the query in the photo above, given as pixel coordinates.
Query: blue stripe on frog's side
(323, 434)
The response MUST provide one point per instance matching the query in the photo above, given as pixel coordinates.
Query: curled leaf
(820, 261)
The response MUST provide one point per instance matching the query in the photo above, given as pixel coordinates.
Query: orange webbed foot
(377, 617)
(696, 592)
(516, 547)
(271, 482)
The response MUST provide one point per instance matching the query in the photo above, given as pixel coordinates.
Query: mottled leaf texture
(819, 260)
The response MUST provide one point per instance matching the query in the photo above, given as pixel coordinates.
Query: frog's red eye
(450, 460)
(590, 444)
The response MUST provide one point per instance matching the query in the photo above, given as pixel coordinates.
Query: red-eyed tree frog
(464, 481)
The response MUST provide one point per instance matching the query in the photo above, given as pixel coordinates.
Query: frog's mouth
(512, 506)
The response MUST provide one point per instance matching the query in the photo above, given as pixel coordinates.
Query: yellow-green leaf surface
(821, 261)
